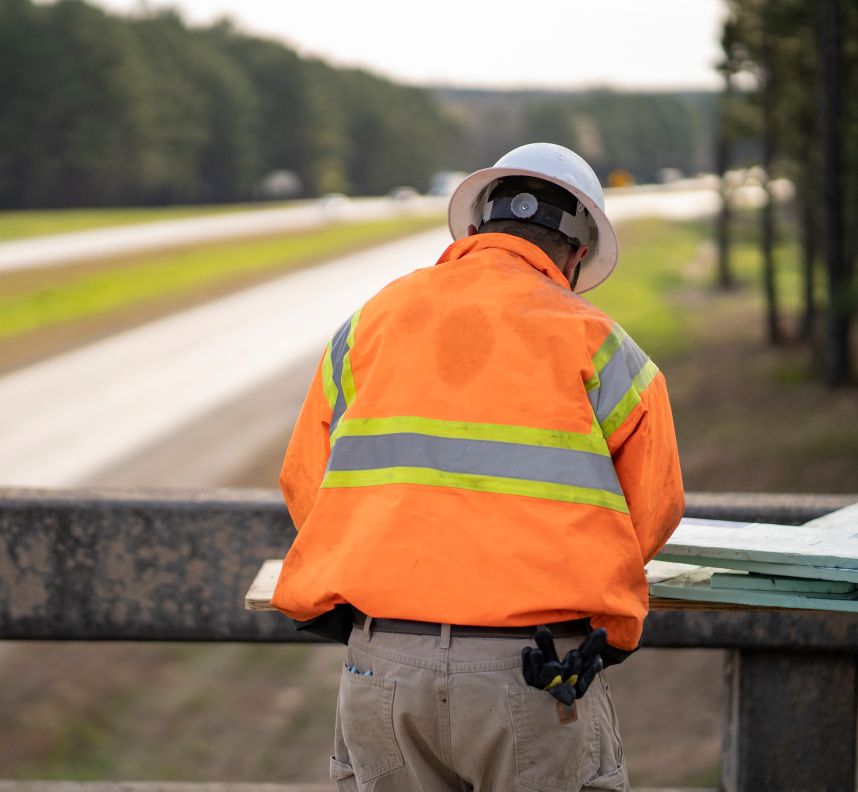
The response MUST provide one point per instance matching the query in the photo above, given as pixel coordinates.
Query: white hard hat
(554, 164)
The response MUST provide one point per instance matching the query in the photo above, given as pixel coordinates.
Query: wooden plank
(259, 594)
(755, 581)
(832, 544)
(661, 604)
(695, 586)
(838, 520)
(658, 570)
(789, 570)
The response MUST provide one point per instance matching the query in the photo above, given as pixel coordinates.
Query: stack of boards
(725, 565)
(714, 564)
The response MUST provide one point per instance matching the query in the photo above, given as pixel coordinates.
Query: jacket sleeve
(646, 459)
(308, 450)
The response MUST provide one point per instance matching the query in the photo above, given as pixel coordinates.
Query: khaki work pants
(439, 714)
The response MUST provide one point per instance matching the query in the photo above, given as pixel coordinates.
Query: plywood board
(695, 586)
(789, 570)
(658, 570)
(754, 581)
(259, 594)
(837, 520)
(832, 544)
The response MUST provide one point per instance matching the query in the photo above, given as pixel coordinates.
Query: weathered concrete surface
(122, 565)
(791, 722)
(176, 565)
(782, 509)
(166, 786)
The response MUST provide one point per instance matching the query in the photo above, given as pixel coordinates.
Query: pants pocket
(551, 756)
(611, 775)
(343, 775)
(366, 719)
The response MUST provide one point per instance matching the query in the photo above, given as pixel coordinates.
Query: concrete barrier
(175, 566)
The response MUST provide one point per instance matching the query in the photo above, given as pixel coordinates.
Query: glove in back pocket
(366, 714)
(551, 756)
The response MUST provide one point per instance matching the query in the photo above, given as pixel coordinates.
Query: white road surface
(681, 200)
(104, 413)
(69, 416)
(58, 249)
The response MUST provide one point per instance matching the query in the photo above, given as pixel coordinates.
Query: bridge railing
(175, 566)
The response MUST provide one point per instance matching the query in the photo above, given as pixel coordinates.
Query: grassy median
(111, 294)
(21, 224)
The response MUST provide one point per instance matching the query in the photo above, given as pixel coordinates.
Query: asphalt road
(58, 249)
(684, 199)
(78, 418)
(195, 398)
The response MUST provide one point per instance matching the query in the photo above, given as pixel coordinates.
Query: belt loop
(445, 636)
(367, 628)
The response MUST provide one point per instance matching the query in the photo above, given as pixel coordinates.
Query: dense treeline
(638, 132)
(803, 60)
(98, 109)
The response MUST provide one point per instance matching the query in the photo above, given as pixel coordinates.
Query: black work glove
(570, 679)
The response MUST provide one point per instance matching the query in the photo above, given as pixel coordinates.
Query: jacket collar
(521, 248)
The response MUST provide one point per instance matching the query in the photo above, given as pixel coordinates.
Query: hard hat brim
(464, 210)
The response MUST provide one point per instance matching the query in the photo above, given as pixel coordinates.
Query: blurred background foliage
(797, 63)
(106, 110)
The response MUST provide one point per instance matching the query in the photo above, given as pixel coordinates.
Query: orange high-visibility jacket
(481, 446)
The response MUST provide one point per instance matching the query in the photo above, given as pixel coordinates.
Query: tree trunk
(722, 160)
(767, 229)
(837, 325)
(808, 256)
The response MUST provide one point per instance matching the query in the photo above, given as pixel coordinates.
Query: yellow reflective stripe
(592, 443)
(623, 409)
(328, 378)
(610, 345)
(348, 379)
(645, 376)
(630, 399)
(354, 323)
(554, 682)
(476, 483)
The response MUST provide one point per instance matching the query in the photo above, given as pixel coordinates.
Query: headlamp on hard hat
(575, 225)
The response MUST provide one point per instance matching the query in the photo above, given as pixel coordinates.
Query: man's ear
(572, 267)
(472, 229)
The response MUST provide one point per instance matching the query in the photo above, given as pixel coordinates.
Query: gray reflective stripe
(478, 457)
(617, 377)
(339, 348)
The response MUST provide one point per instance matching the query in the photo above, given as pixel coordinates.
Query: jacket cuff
(612, 656)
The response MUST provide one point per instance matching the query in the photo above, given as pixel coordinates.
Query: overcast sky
(538, 43)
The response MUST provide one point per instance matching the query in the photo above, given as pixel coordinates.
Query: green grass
(657, 270)
(53, 299)
(20, 224)
(639, 295)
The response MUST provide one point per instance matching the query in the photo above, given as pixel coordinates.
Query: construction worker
(482, 452)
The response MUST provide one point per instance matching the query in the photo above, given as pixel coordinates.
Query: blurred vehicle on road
(403, 193)
(445, 182)
(335, 205)
(280, 184)
(669, 175)
(620, 177)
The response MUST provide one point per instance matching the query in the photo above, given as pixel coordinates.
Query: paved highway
(189, 400)
(58, 249)
(685, 199)
(67, 418)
